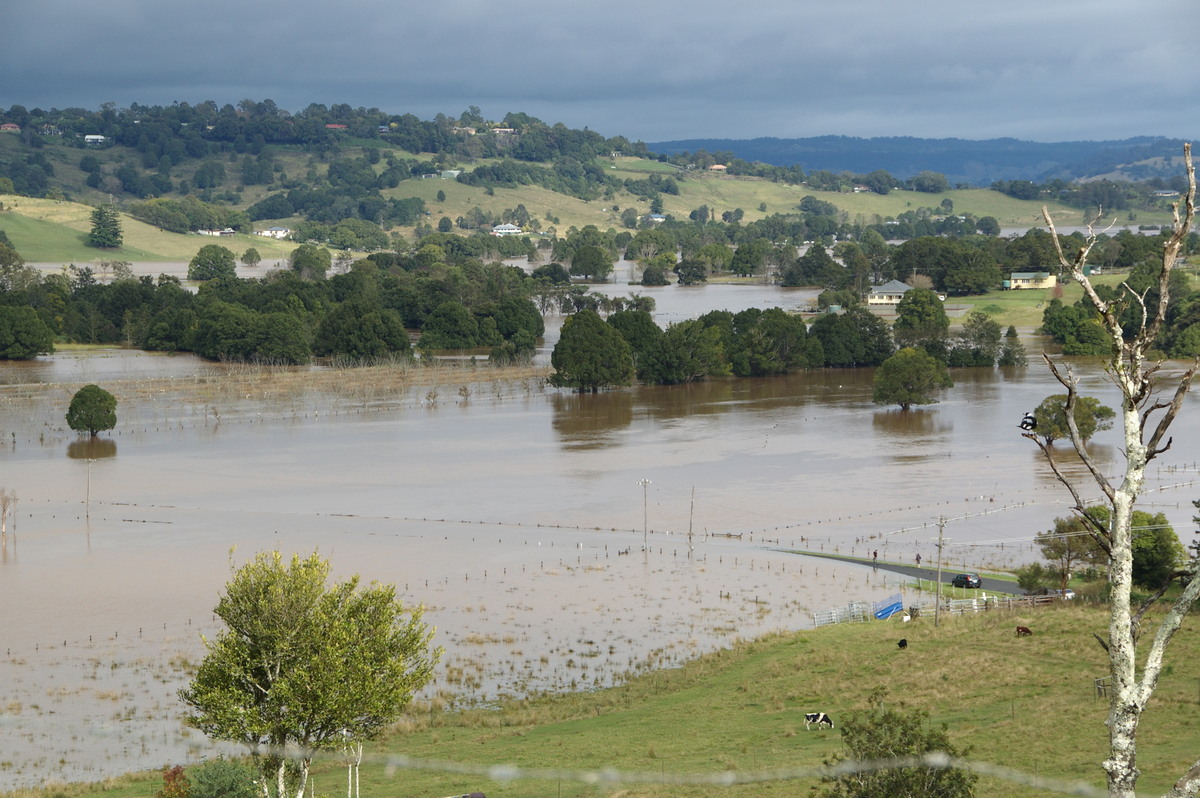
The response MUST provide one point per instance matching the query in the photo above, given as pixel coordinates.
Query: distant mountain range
(978, 163)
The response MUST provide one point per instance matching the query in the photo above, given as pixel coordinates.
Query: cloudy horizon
(1063, 71)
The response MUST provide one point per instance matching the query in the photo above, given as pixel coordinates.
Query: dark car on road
(967, 580)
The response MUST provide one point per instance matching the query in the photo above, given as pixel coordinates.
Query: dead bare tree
(1141, 384)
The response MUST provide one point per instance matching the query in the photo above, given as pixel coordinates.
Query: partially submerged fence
(861, 611)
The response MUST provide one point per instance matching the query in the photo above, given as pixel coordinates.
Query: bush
(222, 778)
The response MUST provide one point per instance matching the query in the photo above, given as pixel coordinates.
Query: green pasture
(1024, 703)
(1023, 309)
(48, 231)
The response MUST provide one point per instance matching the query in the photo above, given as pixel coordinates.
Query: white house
(506, 230)
(274, 232)
(888, 294)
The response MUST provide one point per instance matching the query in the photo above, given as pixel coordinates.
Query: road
(988, 585)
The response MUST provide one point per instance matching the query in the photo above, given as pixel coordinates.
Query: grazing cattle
(1024, 631)
(903, 643)
(819, 718)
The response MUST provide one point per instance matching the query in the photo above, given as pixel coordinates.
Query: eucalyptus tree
(1151, 399)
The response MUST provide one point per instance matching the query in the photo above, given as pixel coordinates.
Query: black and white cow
(819, 718)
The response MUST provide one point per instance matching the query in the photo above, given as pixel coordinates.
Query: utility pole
(691, 513)
(87, 501)
(645, 483)
(937, 608)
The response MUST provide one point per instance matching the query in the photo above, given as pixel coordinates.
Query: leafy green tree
(637, 327)
(772, 341)
(301, 666)
(450, 326)
(1158, 555)
(310, 261)
(1090, 417)
(361, 331)
(1068, 546)
(749, 258)
(281, 339)
(686, 352)
(883, 732)
(691, 271)
(15, 275)
(590, 355)
(921, 320)
(251, 257)
(23, 334)
(1012, 351)
(92, 410)
(226, 331)
(592, 263)
(655, 274)
(988, 226)
(1032, 576)
(978, 343)
(212, 262)
(930, 182)
(516, 314)
(910, 377)
(853, 339)
(816, 267)
(106, 228)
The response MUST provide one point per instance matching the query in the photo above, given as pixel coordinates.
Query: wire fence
(612, 779)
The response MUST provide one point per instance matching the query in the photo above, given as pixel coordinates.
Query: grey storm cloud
(1035, 69)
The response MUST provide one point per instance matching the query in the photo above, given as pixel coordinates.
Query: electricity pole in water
(645, 483)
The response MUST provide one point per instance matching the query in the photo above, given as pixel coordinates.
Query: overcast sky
(654, 70)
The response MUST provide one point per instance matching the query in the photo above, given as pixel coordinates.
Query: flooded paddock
(515, 513)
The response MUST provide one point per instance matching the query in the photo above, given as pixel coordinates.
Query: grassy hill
(1023, 703)
(55, 231)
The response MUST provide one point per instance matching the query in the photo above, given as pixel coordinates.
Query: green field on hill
(1028, 704)
(50, 231)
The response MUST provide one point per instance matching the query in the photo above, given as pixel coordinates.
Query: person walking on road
(918, 559)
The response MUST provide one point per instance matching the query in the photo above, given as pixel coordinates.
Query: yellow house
(1031, 280)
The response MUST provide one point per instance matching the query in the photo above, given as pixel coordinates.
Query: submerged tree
(92, 410)
(304, 667)
(1089, 415)
(910, 377)
(1146, 416)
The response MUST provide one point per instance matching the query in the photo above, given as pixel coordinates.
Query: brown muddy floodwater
(514, 512)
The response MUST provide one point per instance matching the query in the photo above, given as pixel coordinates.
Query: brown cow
(1024, 631)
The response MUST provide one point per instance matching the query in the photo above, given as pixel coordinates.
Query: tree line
(594, 353)
(376, 308)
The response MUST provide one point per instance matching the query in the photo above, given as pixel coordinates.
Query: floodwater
(557, 541)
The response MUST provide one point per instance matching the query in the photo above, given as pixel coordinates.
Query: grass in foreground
(1025, 703)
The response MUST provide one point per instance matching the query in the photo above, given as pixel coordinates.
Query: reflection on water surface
(512, 511)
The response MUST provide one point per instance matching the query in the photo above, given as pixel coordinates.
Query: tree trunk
(1143, 441)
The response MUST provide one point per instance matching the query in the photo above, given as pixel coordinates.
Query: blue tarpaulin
(888, 607)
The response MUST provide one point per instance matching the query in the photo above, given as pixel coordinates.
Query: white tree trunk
(1127, 367)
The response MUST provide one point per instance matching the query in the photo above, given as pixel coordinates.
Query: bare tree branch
(1185, 382)
(1072, 386)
